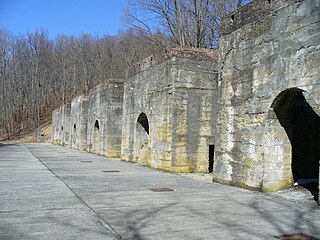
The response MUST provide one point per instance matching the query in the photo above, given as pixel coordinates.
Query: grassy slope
(31, 137)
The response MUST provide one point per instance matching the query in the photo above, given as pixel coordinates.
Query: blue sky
(69, 17)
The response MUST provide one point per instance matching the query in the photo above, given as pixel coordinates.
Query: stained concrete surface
(51, 192)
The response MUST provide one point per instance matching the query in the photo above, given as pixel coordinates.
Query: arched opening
(96, 125)
(74, 126)
(143, 120)
(302, 126)
(142, 150)
(95, 142)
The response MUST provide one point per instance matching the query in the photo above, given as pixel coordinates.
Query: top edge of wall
(107, 84)
(201, 54)
(254, 11)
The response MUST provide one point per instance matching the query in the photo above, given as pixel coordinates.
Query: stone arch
(143, 120)
(142, 148)
(302, 127)
(96, 137)
(96, 125)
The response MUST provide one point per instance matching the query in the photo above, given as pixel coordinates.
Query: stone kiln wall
(104, 125)
(93, 123)
(260, 114)
(56, 126)
(61, 130)
(274, 53)
(113, 106)
(176, 91)
(78, 121)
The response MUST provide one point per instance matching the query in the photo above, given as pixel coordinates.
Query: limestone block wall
(104, 122)
(113, 109)
(56, 126)
(95, 119)
(268, 122)
(78, 122)
(65, 133)
(92, 123)
(147, 97)
(61, 129)
(167, 115)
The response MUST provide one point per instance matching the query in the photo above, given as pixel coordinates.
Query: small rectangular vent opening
(110, 171)
(86, 161)
(296, 236)
(164, 189)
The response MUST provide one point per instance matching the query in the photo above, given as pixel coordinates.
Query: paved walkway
(51, 192)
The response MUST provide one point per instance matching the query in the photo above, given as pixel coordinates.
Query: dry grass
(31, 137)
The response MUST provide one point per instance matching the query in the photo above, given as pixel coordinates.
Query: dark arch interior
(96, 124)
(62, 128)
(143, 120)
(74, 126)
(302, 126)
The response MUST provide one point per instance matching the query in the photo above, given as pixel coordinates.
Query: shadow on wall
(141, 142)
(96, 137)
(143, 120)
(302, 126)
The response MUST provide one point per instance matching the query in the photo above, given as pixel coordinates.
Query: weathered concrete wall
(65, 133)
(95, 117)
(260, 116)
(92, 123)
(56, 126)
(113, 107)
(78, 121)
(270, 95)
(169, 101)
(61, 129)
(104, 123)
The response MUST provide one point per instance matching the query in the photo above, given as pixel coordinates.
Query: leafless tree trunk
(37, 74)
(193, 23)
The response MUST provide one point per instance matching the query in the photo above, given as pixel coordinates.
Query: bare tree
(4, 61)
(38, 74)
(193, 23)
(133, 46)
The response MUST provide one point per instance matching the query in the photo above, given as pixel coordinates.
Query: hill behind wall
(42, 134)
(36, 82)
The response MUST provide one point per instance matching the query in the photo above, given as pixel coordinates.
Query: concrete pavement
(51, 192)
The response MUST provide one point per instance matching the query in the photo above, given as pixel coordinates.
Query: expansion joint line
(101, 220)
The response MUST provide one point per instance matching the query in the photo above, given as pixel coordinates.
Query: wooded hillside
(38, 74)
